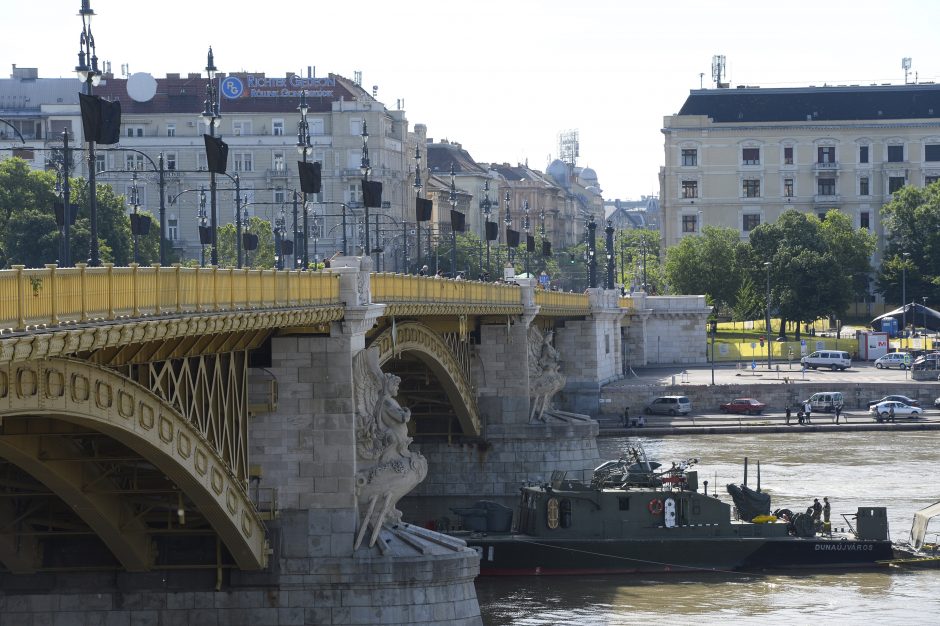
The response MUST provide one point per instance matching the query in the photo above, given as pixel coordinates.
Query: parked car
(826, 401)
(882, 412)
(896, 398)
(929, 361)
(749, 406)
(835, 359)
(893, 359)
(936, 403)
(669, 405)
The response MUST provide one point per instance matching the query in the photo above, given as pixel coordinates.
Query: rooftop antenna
(906, 66)
(569, 147)
(701, 80)
(718, 70)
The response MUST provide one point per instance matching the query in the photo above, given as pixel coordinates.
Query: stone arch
(103, 400)
(431, 349)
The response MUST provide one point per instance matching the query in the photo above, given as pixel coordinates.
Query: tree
(706, 264)
(748, 303)
(912, 225)
(638, 256)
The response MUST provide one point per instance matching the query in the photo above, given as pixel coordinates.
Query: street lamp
(212, 118)
(767, 314)
(202, 226)
(609, 243)
(135, 218)
(525, 227)
(365, 168)
(924, 298)
(418, 185)
(87, 70)
(904, 257)
(279, 222)
(592, 253)
(303, 147)
(453, 228)
(507, 222)
(486, 206)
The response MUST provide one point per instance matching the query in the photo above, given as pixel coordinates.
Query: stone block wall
(501, 373)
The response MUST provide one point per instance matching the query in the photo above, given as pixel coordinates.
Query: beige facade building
(740, 157)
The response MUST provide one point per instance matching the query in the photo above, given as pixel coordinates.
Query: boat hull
(524, 556)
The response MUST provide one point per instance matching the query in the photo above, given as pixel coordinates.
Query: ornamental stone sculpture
(545, 377)
(386, 468)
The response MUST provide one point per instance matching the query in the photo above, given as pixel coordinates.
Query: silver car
(882, 411)
(670, 405)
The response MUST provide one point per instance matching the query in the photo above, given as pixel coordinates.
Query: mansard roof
(816, 104)
(442, 155)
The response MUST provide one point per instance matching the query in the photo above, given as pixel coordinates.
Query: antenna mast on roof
(718, 70)
(906, 66)
(568, 147)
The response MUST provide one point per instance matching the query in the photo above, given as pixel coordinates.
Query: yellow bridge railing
(49, 296)
(577, 303)
(394, 288)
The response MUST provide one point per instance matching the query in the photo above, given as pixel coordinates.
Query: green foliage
(748, 302)
(629, 246)
(912, 225)
(707, 264)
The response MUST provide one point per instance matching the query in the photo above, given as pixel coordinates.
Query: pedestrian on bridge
(788, 414)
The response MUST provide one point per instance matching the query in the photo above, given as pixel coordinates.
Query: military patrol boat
(636, 516)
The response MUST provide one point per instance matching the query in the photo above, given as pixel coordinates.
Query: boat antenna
(745, 471)
(758, 475)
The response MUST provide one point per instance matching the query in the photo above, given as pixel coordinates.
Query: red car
(743, 405)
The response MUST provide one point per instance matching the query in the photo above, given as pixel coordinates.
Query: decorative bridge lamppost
(452, 197)
(205, 233)
(526, 228)
(592, 253)
(365, 169)
(609, 250)
(212, 118)
(507, 222)
(486, 206)
(87, 70)
(304, 148)
(418, 217)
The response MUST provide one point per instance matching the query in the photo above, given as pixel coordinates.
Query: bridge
(168, 430)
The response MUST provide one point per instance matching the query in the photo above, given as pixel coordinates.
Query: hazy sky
(505, 77)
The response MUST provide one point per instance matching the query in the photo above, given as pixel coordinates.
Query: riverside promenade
(860, 384)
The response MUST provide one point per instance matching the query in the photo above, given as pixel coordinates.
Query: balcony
(276, 173)
(827, 198)
(826, 167)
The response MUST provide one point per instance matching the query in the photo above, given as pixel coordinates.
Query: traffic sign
(753, 364)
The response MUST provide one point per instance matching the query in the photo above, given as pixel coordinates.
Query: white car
(882, 411)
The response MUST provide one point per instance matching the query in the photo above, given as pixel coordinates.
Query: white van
(826, 401)
(892, 359)
(835, 359)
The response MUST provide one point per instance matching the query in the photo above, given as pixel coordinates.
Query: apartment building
(740, 157)
(259, 124)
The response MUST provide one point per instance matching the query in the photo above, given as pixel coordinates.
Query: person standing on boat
(825, 510)
(817, 509)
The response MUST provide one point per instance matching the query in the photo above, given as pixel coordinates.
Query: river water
(896, 470)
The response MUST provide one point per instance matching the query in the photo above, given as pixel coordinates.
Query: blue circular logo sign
(232, 87)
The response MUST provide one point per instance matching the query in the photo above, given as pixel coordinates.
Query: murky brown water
(897, 470)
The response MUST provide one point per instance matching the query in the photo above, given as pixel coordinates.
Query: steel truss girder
(102, 400)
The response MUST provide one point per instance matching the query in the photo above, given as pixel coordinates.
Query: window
(133, 161)
(354, 193)
(243, 162)
(277, 162)
(241, 127)
(172, 229)
(170, 129)
(750, 221)
(690, 189)
(932, 152)
(750, 156)
(201, 163)
(171, 161)
(355, 127)
(788, 187)
(895, 183)
(826, 154)
(751, 188)
(689, 223)
(864, 220)
(279, 196)
(895, 154)
(863, 154)
(135, 131)
(826, 186)
(788, 155)
(863, 186)
(690, 157)
(316, 126)
(101, 162)
(277, 128)
(929, 180)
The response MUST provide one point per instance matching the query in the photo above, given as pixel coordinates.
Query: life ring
(655, 506)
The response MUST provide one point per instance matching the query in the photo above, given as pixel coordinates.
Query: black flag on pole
(529, 243)
(250, 241)
(101, 120)
(546, 248)
(458, 221)
(372, 193)
(423, 208)
(309, 176)
(492, 231)
(216, 154)
(512, 238)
